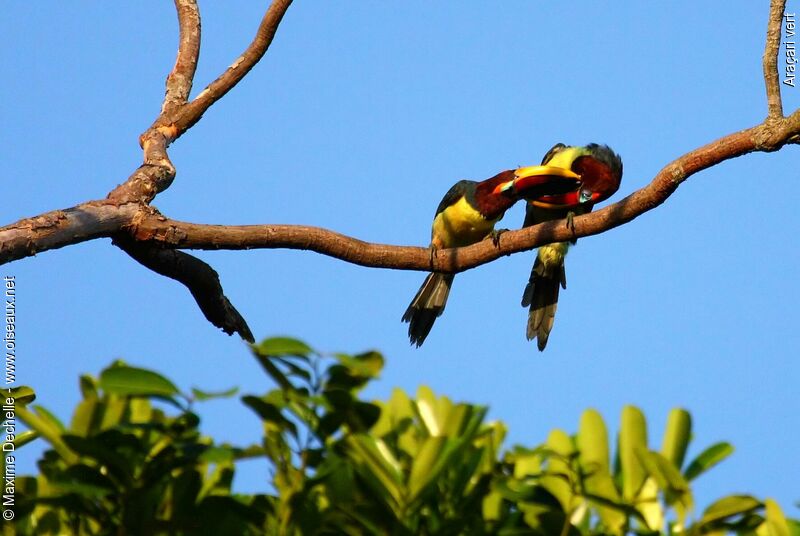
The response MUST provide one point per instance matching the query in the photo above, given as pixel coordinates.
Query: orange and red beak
(533, 181)
(567, 200)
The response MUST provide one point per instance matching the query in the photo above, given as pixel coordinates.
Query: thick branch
(770, 61)
(59, 228)
(191, 113)
(95, 219)
(157, 172)
(152, 177)
(201, 280)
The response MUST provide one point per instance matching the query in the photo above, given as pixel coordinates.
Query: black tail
(426, 306)
(541, 295)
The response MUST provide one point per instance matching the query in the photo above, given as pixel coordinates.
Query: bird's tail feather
(427, 306)
(541, 296)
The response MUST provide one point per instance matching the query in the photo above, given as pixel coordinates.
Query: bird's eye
(585, 195)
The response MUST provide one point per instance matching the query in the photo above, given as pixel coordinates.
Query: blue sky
(359, 118)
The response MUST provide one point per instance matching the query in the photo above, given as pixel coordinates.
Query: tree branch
(151, 238)
(201, 280)
(190, 114)
(146, 224)
(158, 172)
(181, 235)
(177, 115)
(59, 228)
(179, 81)
(770, 61)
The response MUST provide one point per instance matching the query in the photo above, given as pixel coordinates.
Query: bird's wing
(455, 193)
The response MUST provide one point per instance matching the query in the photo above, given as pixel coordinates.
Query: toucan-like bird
(600, 170)
(466, 215)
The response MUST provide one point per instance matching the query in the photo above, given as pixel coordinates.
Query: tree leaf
(283, 346)
(663, 471)
(114, 409)
(210, 395)
(592, 442)
(730, 506)
(632, 436)
(708, 459)
(46, 415)
(374, 461)
(367, 365)
(677, 436)
(118, 452)
(273, 371)
(124, 380)
(88, 386)
(270, 413)
(560, 474)
(424, 468)
(668, 477)
(218, 454)
(295, 369)
(22, 395)
(24, 438)
(87, 480)
(776, 521)
(600, 490)
(86, 416)
(363, 416)
(48, 431)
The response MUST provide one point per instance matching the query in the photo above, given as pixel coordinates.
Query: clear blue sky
(359, 118)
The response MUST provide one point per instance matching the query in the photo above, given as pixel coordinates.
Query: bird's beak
(568, 200)
(553, 202)
(504, 187)
(557, 178)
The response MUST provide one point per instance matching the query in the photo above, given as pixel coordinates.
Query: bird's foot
(571, 225)
(495, 234)
(571, 221)
(432, 251)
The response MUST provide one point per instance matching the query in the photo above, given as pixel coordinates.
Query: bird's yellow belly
(460, 225)
(552, 255)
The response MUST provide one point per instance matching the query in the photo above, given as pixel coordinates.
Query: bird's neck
(492, 205)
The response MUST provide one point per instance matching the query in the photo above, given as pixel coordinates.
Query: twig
(191, 113)
(177, 115)
(771, 48)
(179, 81)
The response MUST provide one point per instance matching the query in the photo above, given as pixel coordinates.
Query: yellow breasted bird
(466, 215)
(600, 170)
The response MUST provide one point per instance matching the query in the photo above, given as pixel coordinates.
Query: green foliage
(341, 465)
(123, 466)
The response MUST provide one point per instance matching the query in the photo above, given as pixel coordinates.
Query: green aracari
(600, 170)
(466, 215)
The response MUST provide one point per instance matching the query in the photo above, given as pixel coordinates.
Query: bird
(466, 215)
(600, 171)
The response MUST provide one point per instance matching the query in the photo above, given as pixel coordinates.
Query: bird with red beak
(600, 172)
